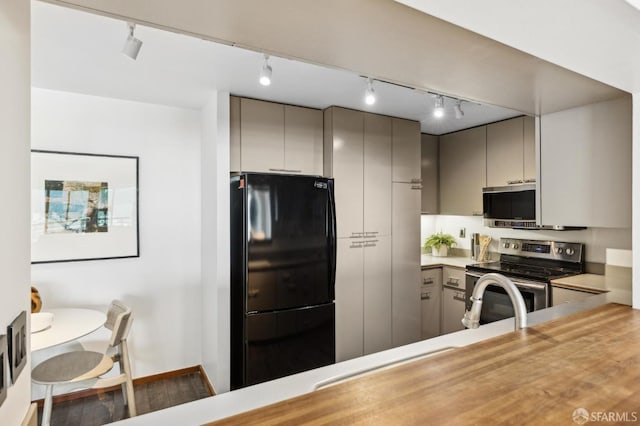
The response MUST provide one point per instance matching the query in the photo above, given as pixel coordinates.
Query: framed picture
(83, 206)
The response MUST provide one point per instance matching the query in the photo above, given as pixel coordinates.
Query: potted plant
(439, 244)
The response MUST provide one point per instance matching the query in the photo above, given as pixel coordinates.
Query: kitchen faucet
(471, 317)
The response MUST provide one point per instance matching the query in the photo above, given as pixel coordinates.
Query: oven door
(496, 304)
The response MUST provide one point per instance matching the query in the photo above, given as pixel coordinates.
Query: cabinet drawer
(453, 277)
(432, 276)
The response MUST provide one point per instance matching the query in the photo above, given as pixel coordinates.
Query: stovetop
(535, 260)
(531, 272)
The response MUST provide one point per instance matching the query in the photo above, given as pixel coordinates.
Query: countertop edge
(257, 396)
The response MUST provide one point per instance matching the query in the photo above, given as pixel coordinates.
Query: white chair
(83, 369)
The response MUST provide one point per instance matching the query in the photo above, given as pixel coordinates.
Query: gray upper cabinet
(406, 150)
(511, 152)
(272, 137)
(234, 134)
(261, 135)
(530, 169)
(463, 171)
(505, 152)
(429, 173)
(303, 140)
(585, 166)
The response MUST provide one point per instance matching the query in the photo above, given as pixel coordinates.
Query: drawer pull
(453, 281)
(425, 296)
(461, 299)
(427, 281)
(416, 186)
(286, 170)
(514, 182)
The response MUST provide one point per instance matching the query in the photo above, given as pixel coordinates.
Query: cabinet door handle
(427, 281)
(514, 182)
(416, 180)
(285, 170)
(460, 298)
(530, 180)
(425, 296)
(371, 232)
(357, 235)
(356, 244)
(476, 213)
(416, 186)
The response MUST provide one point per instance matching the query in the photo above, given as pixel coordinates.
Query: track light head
(370, 95)
(458, 110)
(265, 73)
(132, 46)
(438, 111)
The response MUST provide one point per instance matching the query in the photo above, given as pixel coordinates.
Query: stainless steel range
(531, 265)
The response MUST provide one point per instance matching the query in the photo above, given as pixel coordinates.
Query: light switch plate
(3, 369)
(17, 345)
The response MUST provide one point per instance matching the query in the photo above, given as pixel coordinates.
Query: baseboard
(137, 381)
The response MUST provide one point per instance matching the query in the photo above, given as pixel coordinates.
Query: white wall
(597, 240)
(215, 241)
(163, 284)
(14, 186)
(635, 198)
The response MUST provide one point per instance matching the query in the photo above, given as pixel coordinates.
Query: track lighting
(132, 45)
(265, 74)
(370, 95)
(438, 111)
(458, 109)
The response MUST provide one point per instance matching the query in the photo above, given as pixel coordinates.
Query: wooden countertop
(589, 360)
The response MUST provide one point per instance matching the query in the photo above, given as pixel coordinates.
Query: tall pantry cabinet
(359, 154)
(405, 231)
(359, 145)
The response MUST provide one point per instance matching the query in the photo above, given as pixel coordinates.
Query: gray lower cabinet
(430, 299)
(453, 299)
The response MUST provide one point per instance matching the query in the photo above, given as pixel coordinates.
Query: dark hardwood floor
(107, 407)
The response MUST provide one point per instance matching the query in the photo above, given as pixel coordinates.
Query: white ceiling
(80, 52)
(596, 38)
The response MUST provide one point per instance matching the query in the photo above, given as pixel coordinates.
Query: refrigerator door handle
(332, 240)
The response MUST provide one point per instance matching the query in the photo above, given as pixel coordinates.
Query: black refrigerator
(283, 262)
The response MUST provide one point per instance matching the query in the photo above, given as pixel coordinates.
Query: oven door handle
(524, 284)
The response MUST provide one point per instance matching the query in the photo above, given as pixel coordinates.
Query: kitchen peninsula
(575, 355)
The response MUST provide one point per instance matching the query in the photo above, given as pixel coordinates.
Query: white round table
(68, 324)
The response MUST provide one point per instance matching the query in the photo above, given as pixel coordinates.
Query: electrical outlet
(17, 353)
(463, 232)
(3, 363)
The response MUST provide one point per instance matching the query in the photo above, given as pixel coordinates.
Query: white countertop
(426, 260)
(594, 283)
(230, 403)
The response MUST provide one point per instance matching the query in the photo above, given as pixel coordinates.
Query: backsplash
(596, 240)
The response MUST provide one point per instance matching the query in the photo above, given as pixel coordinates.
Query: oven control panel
(556, 250)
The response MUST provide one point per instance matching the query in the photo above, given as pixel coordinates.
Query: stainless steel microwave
(512, 206)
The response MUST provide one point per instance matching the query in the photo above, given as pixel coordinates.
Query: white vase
(442, 252)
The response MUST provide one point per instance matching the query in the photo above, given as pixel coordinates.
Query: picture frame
(83, 206)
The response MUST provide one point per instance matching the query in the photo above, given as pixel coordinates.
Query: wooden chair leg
(48, 405)
(126, 367)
